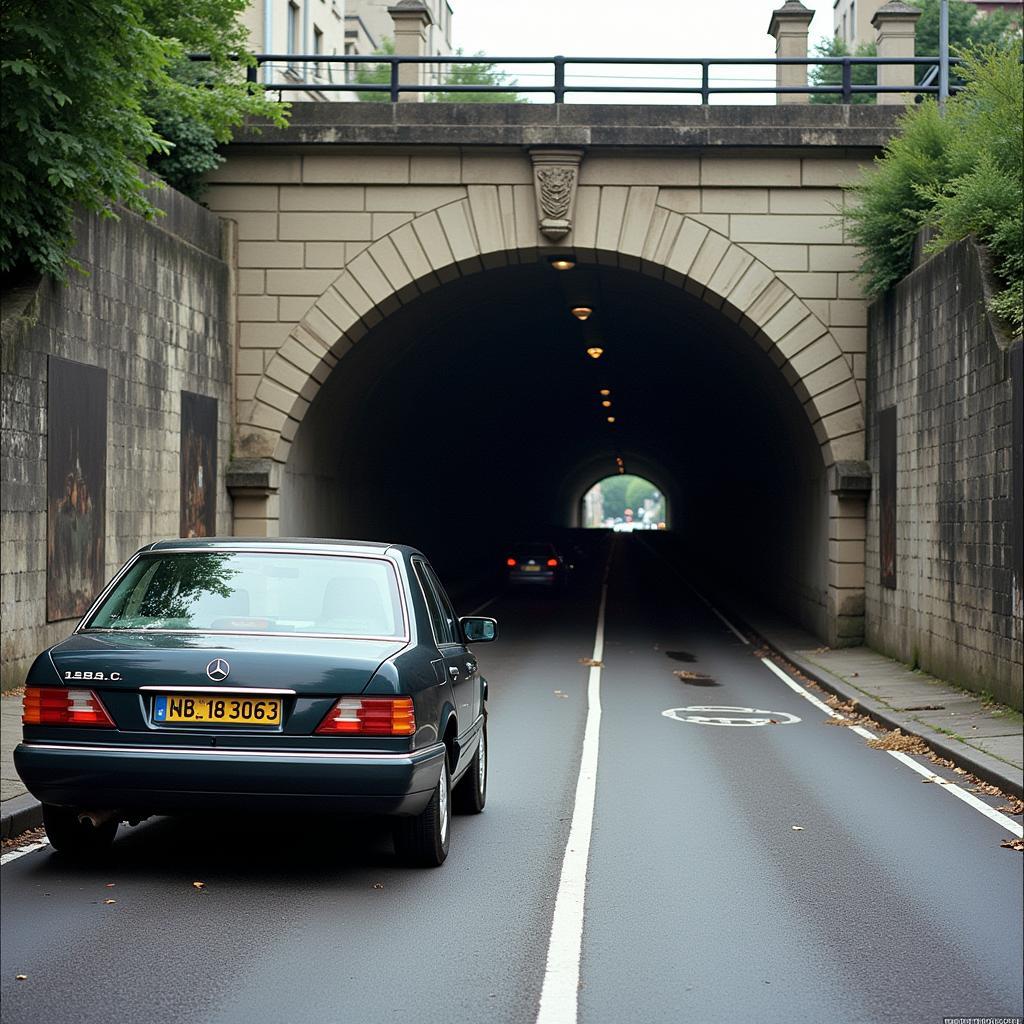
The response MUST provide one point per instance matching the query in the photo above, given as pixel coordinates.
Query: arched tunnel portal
(471, 416)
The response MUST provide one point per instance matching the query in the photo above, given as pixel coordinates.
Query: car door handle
(453, 672)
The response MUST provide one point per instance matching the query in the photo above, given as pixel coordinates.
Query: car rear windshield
(256, 592)
(534, 550)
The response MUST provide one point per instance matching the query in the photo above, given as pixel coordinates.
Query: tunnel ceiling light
(581, 312)
(607, 404)
(594, 352)
(562, 262)
(604, 392)
(611, 419)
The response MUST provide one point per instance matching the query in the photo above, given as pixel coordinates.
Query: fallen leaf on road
(110, 885)
(926, 781)
(561, 693)
(1013, 844)
(21, 977)
(378, 885)
(108, 902)
(591, 662)
(1013, 807)
(987, 788)
(798, 828)
(897, 740)
(198, 885)
(773, 721)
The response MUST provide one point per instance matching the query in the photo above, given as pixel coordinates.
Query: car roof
(323, 545)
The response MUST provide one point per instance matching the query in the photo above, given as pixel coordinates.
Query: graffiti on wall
(76, 484)
(198, 465)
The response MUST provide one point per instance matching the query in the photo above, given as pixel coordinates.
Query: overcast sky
(639, 28)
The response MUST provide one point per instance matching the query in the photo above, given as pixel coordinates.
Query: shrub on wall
(959, 174)
(93, 92)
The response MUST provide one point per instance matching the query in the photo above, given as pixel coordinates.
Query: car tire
(423, 840)
(74, 838)
(470, 794)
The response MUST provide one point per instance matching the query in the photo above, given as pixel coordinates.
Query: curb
(988, 769)
(19, 813)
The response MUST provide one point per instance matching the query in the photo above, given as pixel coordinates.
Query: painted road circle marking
(705, 714)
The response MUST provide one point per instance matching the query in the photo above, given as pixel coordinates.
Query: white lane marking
(717, 612)
(486, 604)
(950, 787)
(21, 851)
(729, 716)
(797, 688)
(559, 997)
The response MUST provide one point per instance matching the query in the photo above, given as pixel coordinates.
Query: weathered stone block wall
(936, 357)
(153, 310)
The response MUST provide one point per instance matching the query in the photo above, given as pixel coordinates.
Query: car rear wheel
(74, 838)
(422, 841)
(470, 794)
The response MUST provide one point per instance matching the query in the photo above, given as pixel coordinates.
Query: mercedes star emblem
(218, 670)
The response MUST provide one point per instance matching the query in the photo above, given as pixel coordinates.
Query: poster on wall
(76, 485)
(887, 495)
(198, 465)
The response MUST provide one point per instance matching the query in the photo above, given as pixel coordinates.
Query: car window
(438, 620)
(451, 619)
(534, 550)
(256, 592)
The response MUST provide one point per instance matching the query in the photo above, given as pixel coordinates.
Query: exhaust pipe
(98, 818)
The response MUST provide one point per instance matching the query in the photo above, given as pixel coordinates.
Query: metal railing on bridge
(314, 73)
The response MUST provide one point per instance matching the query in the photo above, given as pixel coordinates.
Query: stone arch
(489, 229)
(595, 470)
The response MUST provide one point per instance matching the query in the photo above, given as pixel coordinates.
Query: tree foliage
(197, 105)
(967, 27)
(94, 90)
(73, 124)
(960, 174)
(460, 73)
(832, 74)
(484, 74)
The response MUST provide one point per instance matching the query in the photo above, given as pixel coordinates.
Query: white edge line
(486, 604)
(968, 798)
(951, 787)
(15, 854)
(559, 997)
(742, 638)
(797, 688)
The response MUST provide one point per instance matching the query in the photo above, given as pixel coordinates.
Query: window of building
(318, 49)
(293, 28)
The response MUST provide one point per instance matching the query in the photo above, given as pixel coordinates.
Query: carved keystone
(556, 173)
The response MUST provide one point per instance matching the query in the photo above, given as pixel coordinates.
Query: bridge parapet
(861, 129)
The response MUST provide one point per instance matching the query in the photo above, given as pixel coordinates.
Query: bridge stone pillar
(411, 19)
(789, 26)
(895, 27)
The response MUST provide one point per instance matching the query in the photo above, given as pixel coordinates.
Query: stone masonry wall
(938, 359)
(154, 311)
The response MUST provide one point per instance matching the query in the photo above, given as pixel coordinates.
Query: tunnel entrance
(472, 415)
(623, 502)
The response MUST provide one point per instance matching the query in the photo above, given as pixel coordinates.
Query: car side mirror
(477, 629)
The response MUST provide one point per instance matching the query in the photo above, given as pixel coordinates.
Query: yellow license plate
(531, 568)
(203, 708)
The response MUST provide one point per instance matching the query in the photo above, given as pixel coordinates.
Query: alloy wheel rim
(443, 807)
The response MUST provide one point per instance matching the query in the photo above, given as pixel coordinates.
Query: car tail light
(370, 716)
(52, 705)
(511, 562)
(552, 562)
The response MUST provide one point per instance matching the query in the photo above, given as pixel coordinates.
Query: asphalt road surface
(776, 872)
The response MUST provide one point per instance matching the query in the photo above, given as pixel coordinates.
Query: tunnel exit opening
(624, 502)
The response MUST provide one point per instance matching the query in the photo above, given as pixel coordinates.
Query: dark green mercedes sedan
(253, 675)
